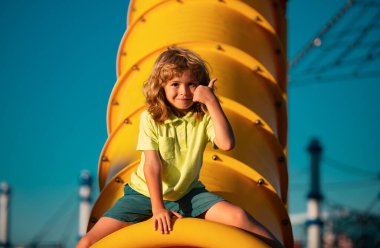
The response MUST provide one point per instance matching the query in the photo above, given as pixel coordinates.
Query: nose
(184, 90)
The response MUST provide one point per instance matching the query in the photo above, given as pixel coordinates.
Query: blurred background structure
(345, 50)
(57, 71)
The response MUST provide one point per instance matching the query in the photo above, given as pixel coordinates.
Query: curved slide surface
(245, 44)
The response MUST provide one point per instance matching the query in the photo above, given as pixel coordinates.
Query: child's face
(179, 91)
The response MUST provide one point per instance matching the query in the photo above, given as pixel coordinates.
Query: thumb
(212, 82)
(177, 214)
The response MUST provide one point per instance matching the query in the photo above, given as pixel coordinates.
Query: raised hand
(205, 94)
(162, 220)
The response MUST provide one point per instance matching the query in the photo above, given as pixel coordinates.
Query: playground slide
(244, 43)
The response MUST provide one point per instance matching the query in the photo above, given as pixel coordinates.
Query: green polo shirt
(180, 143)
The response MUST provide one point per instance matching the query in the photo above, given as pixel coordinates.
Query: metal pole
(4, 214)
(314, 223)
(85, 201)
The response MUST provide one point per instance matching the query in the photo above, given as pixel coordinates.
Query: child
(182, 116)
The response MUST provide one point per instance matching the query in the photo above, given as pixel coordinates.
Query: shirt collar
(173, 119)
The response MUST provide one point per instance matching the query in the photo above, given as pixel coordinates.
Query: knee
(239, 217)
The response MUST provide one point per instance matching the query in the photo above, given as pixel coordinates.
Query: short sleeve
(210, 130)
(148, 138)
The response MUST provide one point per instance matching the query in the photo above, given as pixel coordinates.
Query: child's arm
(153, 176)
(224, 136)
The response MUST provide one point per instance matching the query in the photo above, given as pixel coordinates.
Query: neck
(179, 113)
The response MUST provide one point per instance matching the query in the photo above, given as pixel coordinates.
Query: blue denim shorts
(134, 207)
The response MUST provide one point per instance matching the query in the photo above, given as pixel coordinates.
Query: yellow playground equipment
(244, 43)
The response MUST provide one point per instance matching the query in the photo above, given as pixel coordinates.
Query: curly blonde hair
(168, 65)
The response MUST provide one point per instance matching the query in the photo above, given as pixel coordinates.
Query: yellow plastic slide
(244, 43)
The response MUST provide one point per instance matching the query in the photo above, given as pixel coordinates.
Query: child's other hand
(162, 220)
(205, 94)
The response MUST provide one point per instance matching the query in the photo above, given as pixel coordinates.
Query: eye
(193, 84)
(174, 84)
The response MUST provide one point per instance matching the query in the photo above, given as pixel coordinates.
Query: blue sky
(57, 70)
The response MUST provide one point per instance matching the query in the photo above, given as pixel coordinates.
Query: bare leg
(229, 214)
(102, 228)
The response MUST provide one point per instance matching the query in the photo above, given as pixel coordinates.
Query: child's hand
(162, 220)
(205, 94)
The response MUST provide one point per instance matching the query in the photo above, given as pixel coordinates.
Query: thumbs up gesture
(205, 94)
